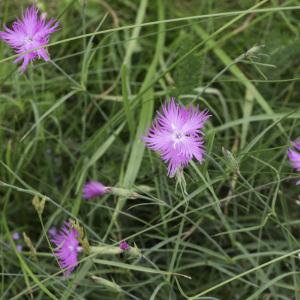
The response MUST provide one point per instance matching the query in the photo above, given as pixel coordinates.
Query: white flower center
(177, 137)
(77, 249)
(28, 40)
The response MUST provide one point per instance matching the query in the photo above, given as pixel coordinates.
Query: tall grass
(234, 233)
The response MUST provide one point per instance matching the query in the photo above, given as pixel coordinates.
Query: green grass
(233, 234)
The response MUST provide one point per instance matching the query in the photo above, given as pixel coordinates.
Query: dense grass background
(81, 117)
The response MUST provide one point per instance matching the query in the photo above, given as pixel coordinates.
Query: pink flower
(123, 245)
(94, 189)
(28, 34)
(67, 247)
(176, 135)
(294, 157)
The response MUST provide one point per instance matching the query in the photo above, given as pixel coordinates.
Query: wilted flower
(123, 245)
(294, 157)
(67, 247)
(94, 189)
(176, 135)
(28, 34)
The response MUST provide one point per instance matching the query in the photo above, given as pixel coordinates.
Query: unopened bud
(115, 250)
(39, 204)
(111, 285)
(252, 51)
(124, 193)
(29, 244)
(232, 162)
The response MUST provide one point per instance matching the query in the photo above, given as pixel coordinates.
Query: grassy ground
(81, 117)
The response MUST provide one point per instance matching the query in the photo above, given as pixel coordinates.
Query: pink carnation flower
(94, 189)
(294, 157)
(28, 34)
(176, 135)
(67, 247)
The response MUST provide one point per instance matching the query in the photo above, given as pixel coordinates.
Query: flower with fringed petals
(29, 36)
(176, 134)
(67, 247)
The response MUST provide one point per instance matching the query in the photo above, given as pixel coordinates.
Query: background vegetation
(81, 117)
